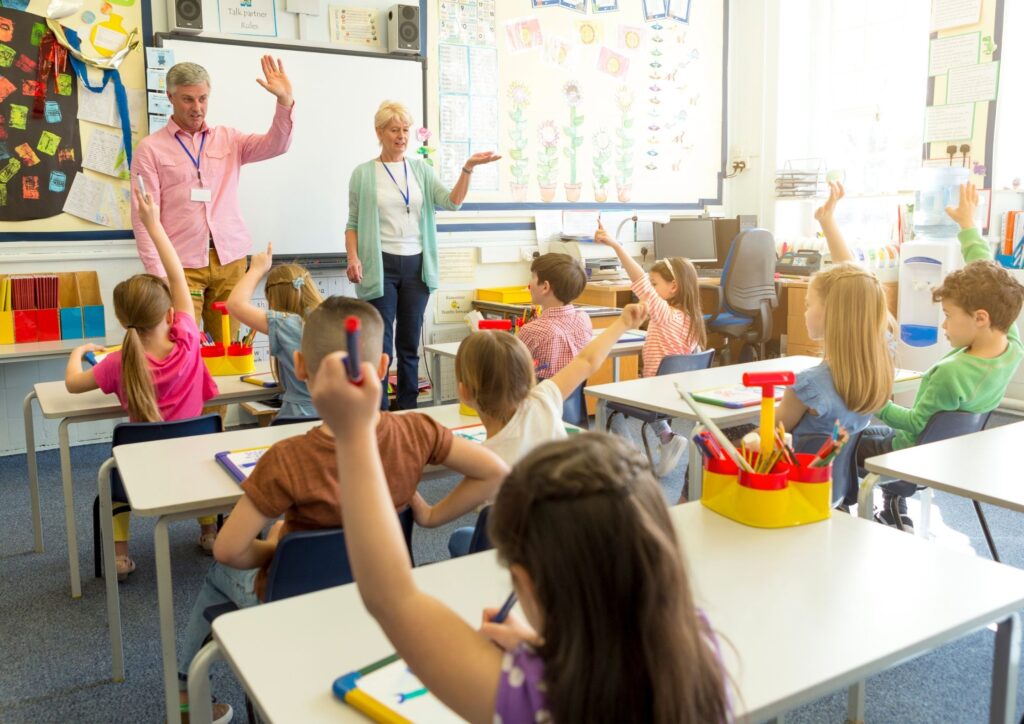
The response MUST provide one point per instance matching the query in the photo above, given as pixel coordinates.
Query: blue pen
(506, 609)
(90, 357)
(352, 327)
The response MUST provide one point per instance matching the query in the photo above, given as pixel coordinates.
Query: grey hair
(186, 74)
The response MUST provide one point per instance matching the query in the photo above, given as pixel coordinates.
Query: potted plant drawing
(573, 138)
(547, 163)
(519, 95)
(602, 143)
(425, 150)
(624, 148)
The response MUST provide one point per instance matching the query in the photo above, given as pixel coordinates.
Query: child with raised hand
(980, 303)
(646, 653)
(672, 294)
(158, 374)
(291, 295)
(494, 373)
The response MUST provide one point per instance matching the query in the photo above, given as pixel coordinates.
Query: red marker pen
(352, 327)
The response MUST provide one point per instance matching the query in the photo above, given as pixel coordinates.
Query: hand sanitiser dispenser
(924, 263)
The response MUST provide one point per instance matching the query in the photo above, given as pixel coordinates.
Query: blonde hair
(284, 296)
(497, 371)
(389, 111)
(687, 299)
(140, 304)
(856, 346)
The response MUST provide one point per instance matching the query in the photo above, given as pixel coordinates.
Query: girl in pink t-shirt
(158, 374)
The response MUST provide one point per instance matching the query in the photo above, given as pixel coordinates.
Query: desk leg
(33, 470)
(695, 468)
(435, 366)
(110, 570)
(69, 507)
(600, 415)
(616, 368)
(165, 602)
(200, 706)
(865, 497)
(1006, 662)
(855, 704)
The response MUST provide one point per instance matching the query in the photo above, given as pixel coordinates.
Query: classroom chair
(670, 365)
(478, 538)
(292, 420)
(574, 409)
(127, 433)
(746, 295)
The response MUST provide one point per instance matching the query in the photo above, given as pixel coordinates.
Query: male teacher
(191, 170)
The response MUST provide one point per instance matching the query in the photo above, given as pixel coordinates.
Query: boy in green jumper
(980, 303)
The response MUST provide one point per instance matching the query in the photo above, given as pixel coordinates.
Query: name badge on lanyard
(199, 193)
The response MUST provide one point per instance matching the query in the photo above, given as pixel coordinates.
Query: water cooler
(924, 263)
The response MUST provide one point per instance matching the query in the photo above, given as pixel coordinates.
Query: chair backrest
(131, 432)
(480, 540)
(311, 560)
(748, 276)
(574, 408)
(674, 363)
(293, 420)
(944, 425)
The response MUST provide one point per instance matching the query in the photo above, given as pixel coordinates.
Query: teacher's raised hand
(276, 81)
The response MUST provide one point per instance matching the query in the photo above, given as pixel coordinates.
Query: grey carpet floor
(55, 651)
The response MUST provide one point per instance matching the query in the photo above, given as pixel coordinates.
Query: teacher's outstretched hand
(276, 81)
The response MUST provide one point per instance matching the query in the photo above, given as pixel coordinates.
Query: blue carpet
(56, 659)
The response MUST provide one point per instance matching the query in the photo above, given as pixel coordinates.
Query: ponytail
(140, 302)
(137, 381)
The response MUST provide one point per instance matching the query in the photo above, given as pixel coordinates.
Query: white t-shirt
(538, 420)
(399, 227)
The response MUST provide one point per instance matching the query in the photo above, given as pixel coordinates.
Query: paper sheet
(949, 123)
(954, 13)
(354, 25)
(953, 52)
(102, 107)
(456, 266)
(483, 64)
(98, 201)
(579, 223)
(156, 79)
(388, 685)
(454, 118)
(106, 154)
(549, 225)
(453, 69)
(973, 83)
(159, 58)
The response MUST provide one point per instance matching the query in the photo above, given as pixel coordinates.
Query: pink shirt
(668, 332)
(181, 380)
(556, 337)
(170, 175)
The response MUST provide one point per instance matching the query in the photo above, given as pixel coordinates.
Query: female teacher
(391, 239)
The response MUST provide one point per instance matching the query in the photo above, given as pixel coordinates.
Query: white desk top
(30, 351)
(980, 466)
(620, 349)
(807, 610)
(178, 475)
(659, 393)
(56, 402)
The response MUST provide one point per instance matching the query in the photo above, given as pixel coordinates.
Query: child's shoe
(894, 513)
(206, 541)
(671, 453)
(125, 566)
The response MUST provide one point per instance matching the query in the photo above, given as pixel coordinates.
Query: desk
(812, 647)
(37, 351)
(56, 403)
(179, 479)
(658, 394)
(626, 348)
(975, 466)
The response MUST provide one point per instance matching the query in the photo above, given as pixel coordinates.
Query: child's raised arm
(591, 357)
(240, 304)
(634, 270)
(484, 473)
(458, 665)
(837, 247)
(149, 212)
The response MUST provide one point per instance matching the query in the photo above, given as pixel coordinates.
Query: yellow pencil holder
(787, 496)
(237, 361)
(468, 411)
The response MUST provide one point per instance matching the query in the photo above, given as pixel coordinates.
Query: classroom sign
(40, 148)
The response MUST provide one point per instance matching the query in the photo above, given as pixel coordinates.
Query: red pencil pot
(214, 350)
(775, 480)
(806, 474)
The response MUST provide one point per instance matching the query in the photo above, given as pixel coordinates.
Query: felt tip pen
(90, 358)
(352, 327)
(505, 609)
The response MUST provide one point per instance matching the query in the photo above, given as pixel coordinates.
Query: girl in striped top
(672, 295)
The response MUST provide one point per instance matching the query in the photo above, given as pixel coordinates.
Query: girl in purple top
(613, 633)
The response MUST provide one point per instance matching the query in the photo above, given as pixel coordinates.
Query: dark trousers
(877, 440)
(402, 306)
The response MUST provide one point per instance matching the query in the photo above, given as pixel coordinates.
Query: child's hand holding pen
(346, 408)
(508, 632)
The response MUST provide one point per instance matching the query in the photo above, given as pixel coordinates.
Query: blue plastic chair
(293, 420)
(131, 432)
(574, 409)
(480, 540)
(746, 294)
(670, 365)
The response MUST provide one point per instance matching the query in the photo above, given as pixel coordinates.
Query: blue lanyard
(194, 159)
(405, 196)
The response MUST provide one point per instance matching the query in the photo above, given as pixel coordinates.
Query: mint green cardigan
(364, 219)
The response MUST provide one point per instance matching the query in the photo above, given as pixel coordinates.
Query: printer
(599, 261)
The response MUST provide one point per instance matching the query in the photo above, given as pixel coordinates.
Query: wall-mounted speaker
(404, 29)
(185, 16)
